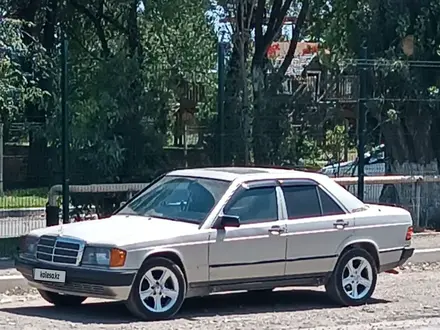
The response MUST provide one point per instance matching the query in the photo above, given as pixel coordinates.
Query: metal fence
(417, 194)
(411, 192)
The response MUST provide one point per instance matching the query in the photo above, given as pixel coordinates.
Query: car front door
(317, 225)
(256, 249)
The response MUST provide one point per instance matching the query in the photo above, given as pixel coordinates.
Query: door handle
(340, 224)
(276, 230)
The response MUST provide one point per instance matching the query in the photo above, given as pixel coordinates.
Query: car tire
(61, 300)
(158, 290)
(354, 278)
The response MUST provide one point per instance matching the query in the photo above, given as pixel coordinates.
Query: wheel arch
(366, 244)
(169, 254)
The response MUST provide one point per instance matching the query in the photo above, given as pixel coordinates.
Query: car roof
(244, 173)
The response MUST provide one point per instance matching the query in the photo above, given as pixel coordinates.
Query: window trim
(253, 185)
(297, 182)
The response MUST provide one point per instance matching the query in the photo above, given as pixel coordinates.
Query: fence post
(1, 159)
(362, 121)
(418, 203)
(185, 144)
(52, 215)
(221, 98)
(65, 127)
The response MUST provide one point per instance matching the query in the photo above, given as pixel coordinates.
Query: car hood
(121, 230)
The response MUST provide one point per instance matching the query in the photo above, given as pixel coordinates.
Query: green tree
(128, 63)
(267, 120)
(17, 88)
(408, 101)
(403, 40)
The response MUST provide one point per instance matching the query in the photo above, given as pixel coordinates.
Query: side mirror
(228, 221)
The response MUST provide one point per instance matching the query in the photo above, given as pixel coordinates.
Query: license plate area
(49, 275)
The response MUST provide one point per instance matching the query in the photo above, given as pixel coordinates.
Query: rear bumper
(99, 283)
(406, 254)
(402, 256)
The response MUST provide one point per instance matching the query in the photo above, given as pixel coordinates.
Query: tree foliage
(128, 64)
(402, 38)
(263, 118)
(16, 86)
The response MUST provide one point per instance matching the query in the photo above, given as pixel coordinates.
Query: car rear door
(256, 249)
(317, 225)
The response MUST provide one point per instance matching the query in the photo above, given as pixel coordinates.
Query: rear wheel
(354, 279)
(58, 299)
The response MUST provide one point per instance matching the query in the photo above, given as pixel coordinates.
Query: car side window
(329, 206)
(302, 201)
(254, 205)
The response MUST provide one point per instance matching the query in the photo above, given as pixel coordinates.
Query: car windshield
(179, 198)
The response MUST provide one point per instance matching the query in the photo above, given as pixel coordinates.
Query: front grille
(59, 250)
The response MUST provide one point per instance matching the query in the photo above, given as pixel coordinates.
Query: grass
(24, 198)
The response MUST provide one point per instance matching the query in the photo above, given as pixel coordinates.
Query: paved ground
(408, 300)
(426, 241)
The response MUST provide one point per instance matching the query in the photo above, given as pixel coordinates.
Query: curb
(10, 282)
(427, 233)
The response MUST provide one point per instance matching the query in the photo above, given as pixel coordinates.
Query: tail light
(409, 233)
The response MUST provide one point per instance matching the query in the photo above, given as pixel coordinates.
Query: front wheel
(61, 300)
(158, 291)
(354, 278)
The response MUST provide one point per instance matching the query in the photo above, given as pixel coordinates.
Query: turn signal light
(409, 233)
(117, 257)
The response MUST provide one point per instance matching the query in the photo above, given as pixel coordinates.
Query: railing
(410, 197)
(418, 194)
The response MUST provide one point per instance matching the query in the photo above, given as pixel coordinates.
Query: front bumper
(80, 281)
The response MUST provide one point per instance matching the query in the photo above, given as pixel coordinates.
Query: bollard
(52, 216)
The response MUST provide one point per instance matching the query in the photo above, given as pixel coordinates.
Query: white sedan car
(197, 231)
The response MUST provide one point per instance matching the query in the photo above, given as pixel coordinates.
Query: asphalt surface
(408, 300)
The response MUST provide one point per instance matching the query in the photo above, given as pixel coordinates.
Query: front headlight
(105, 257)
(28, 246)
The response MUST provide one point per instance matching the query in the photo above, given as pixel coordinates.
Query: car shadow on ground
(218, 305)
